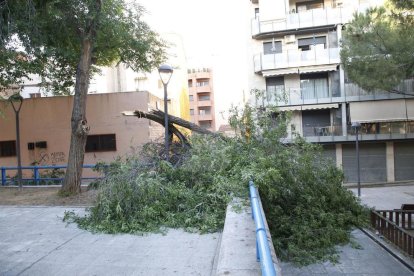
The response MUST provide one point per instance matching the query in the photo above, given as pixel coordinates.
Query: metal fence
(37, 177)
(262, 244)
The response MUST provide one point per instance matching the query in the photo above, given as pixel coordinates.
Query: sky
(215, 35)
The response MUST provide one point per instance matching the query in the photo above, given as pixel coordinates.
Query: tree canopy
(44, 37)
(64, 42)
(378, 46)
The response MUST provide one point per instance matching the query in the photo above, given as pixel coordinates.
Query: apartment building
(295, 46)
(201, 95)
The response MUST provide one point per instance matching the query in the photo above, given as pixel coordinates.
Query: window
(190, 83)
(191, 97)
(204, 97)
(309, 5)
(273, 47)
(204, 111)
(141, 84)
(275, 88)
(256, 13)
(314, 86)
(306, 44)
(35, 95)
(205, 124)
(191, 111)
(103, 142)
(316, 122)
(7, 148)
(202, 82)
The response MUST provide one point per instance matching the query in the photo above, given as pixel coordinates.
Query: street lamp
(165, 71)
(16, 101)
(357, 126)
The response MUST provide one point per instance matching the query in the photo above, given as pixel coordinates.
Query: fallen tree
(157, 115)
(308, 210)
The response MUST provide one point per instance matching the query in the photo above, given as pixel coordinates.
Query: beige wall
(48, 119)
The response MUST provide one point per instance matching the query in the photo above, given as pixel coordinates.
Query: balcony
(381, 131)
(294, 59)
(297, 96)
(204, 103)
(332, 130)
(304, 19)
(203, 89)
(205, 117)
(355, 93)
(386, 131)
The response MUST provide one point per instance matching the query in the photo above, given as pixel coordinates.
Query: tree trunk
(72, 180)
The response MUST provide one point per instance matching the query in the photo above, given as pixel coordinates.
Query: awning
(308, 107)
(289, 108)
(300, 70)
(379, 111)
(280, 72)
(318, 68)
(319, 106)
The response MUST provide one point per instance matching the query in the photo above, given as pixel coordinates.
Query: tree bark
(158, 116)
(72, 180)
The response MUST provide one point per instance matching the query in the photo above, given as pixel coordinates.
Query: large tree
(64, 41)
(378, 46)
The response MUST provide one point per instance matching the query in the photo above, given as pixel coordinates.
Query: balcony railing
(355, 93)
(296, 58)
(384, 129)
(297, 96)
(334, 133)
(305, 19)
(330, 130)
(205, 117)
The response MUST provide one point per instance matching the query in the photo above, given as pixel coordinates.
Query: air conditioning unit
(290, 38)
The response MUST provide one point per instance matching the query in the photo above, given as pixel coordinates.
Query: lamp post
(357, 126)
(165, 71)
(16, 101)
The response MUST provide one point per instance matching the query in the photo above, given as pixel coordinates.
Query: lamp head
(16, 100)
(165, 72)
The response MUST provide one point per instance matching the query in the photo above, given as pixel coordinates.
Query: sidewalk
(372, 259)
(386, 198)
(35, 241)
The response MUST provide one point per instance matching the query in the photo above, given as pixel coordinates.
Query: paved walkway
(35, 241)
(386, 198)
(372, 259)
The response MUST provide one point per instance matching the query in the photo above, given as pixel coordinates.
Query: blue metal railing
(262, 245)
(37, 178)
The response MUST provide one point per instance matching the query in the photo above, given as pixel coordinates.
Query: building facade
(201, 96)
(45, 128)
(295, 46)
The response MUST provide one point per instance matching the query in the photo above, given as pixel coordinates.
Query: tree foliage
(378, 46)
(44, 37)
(308, 210)
(64, 42)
